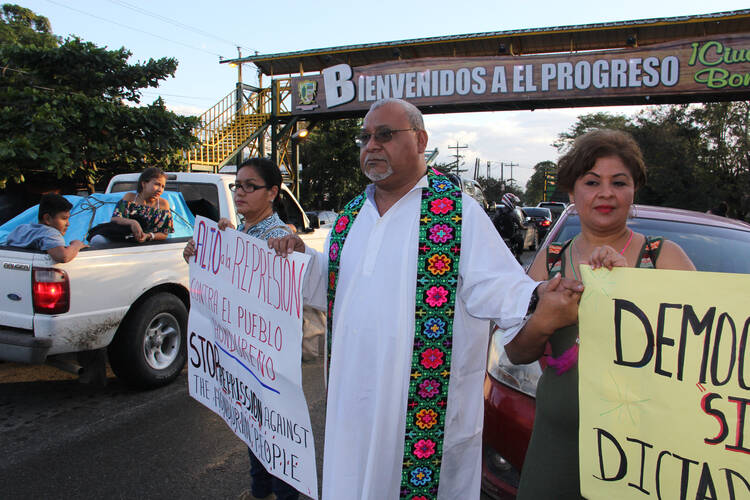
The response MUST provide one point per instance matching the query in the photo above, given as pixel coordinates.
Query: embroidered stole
(439, 246)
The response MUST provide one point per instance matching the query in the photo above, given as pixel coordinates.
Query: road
(62, 439)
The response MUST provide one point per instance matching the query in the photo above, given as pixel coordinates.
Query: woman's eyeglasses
(381, 135)
(247, 187)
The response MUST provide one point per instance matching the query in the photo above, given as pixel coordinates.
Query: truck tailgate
(16, 307)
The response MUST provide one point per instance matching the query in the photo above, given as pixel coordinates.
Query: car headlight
(523, 378)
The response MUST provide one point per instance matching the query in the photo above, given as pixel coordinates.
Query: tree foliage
(494, 189)
(535, 185)
(71, 110)
(725, 129)
(331, 175)
(587, 123)
(696, 155)
(21, 26)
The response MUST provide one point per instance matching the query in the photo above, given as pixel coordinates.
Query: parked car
(132, 299)
(326, 218)
(556, 207)
(321, 218)
(713, 243)
(541, 217)
(470, 187)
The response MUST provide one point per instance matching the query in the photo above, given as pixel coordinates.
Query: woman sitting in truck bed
(145, 212)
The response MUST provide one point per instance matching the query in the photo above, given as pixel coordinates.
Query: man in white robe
(373, 329)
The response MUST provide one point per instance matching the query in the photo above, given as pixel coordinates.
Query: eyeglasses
(247, 187)
(382, 135)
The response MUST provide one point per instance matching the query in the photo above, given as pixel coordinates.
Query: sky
(197, 34)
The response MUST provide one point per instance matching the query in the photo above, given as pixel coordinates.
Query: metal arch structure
(551, 40)
(256, 117)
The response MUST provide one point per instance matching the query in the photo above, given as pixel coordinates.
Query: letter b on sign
(338, 84)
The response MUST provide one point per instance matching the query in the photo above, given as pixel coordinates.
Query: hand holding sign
(664, 375)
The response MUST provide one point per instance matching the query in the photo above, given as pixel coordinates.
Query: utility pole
(239, 65)
(502, 170)
(458, 156)
(488, 169)
(476, 168)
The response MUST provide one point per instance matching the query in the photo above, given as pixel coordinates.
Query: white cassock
(373, 334)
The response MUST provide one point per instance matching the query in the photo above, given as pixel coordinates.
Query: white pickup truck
(130, 298)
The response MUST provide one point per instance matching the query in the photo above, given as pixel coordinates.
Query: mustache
(373, 157)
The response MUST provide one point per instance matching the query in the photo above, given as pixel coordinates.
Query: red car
(714, 243)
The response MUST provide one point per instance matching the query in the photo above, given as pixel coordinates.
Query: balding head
(393, 154)
(412, 112)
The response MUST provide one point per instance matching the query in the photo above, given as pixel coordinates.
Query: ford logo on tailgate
(16, 267)
(13, 296)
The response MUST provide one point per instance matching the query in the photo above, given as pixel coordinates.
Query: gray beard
(378, 176)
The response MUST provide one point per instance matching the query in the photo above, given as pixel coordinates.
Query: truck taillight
(545, 223)
(50, 291)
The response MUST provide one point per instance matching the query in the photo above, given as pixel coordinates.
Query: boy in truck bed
(54, 215)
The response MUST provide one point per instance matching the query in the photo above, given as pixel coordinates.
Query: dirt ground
(17, 372)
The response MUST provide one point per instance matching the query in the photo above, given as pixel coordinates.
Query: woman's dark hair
(147, 175)
(52, 204)
(266, 169)
(591, 146)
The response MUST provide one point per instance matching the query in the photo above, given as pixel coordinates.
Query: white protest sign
(244, 348)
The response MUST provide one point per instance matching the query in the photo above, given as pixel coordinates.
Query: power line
(134, 29)
(458, 156)
(173, 22)
(4, 69)
(178, 95)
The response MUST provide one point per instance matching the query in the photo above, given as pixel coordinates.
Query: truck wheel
(149, 349)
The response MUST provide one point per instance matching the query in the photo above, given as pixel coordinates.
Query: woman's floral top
(151, 219)
(270, 227)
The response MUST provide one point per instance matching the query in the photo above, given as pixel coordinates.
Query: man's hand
(557, 308)
(564, 284)
(558, 302)
(78, 245)
(287, 244)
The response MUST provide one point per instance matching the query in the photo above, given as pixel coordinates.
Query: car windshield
(711, 248)
(536, 212)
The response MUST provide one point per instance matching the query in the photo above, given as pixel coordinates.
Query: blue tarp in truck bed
(88, 211)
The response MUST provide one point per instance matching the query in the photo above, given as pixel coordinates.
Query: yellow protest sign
(664, 379)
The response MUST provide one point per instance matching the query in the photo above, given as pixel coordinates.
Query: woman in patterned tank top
(601, 174)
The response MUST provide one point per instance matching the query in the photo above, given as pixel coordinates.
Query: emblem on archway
(307, 90)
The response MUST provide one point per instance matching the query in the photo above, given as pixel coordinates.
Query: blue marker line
(248, 369)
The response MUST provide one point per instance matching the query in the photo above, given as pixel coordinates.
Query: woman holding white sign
(601, 174)
(256, 187)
